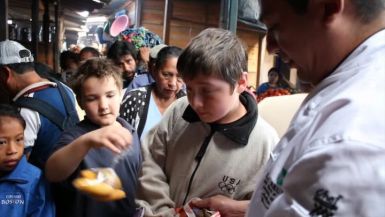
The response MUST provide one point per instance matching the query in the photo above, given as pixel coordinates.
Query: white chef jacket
(331, 161)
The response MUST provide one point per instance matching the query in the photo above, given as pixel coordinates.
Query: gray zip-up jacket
(184, 158)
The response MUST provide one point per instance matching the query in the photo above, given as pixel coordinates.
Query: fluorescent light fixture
(84, 13)
(96, 19)
(84, 28)
(9, 22)
(97, 1)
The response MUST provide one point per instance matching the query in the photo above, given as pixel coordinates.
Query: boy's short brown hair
(215, 52)
(95, 67)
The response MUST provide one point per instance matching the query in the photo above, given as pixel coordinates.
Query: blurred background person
(277, 85)
(88, 52)
(143, 107)
(125, 55)
(69, 63)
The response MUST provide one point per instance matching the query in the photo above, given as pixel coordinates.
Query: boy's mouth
(11, 162)
(105, 114)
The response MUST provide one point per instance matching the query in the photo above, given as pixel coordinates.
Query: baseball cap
(155, 50)
(12, 52)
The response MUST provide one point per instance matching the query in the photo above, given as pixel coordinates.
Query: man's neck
(24, 80)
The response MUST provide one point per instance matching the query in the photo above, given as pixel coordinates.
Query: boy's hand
(226, 206)
(115, 137)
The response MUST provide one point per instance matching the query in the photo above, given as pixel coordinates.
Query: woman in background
(143, 107)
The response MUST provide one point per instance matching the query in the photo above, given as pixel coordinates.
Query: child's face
(11, 143)
(100, 100)
(213, 100)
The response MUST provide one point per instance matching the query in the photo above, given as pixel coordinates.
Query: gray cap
(155, 50)
(13, 52)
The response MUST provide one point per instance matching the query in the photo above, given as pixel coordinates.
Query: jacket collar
(20, 174)
(237, 131)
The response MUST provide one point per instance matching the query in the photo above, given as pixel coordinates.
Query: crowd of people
(181, 129)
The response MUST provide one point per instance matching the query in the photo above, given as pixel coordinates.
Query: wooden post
(3, 20)
(138, 16)
(55, 40)
(46, 30)
(229, 15)
(35, 28)
(233, 15)
(259, 61)
(166, 20)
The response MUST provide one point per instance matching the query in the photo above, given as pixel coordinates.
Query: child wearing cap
(102, 139)
(22, 185)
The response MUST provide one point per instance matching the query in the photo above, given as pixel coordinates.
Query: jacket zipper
(198, 158)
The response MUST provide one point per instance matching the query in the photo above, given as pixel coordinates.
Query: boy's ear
(331, 9)
(242, 83)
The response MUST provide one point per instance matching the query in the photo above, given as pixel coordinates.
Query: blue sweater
(23, 192)
(127, 166)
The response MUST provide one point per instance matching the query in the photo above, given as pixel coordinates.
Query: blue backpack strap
(72, 115)
(44, 108)
(50, 112)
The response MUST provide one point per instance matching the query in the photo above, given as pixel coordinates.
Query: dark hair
(166, 53)
(68, 55)
(299, 6)
(46, 72)
(367, 10)
(92, 50)
(122, 48)
(215, 52)
(21, 68)
(7, 110)
(274, 69)
(95, 67)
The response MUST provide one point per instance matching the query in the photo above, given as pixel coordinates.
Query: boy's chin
(104, 123)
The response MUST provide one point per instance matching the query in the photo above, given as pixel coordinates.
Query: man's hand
(144, 54)
(227, 207)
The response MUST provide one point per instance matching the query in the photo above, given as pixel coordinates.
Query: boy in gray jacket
(212, 143)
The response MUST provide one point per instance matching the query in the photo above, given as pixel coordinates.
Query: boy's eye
(3, 142)
(166, 75)
(90, 99)
(20, 140)
(110, 95)
(207, 91)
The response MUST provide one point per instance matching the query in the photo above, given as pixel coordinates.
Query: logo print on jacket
(228, 184)
(324, 205)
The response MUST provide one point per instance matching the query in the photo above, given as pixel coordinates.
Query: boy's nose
(196, 101)
(11, 148)
(103, 104)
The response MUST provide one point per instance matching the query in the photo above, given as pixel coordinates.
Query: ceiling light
(84, 13)
(96, 19)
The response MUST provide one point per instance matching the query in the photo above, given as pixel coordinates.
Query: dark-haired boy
(211, 142)
(24, 191)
